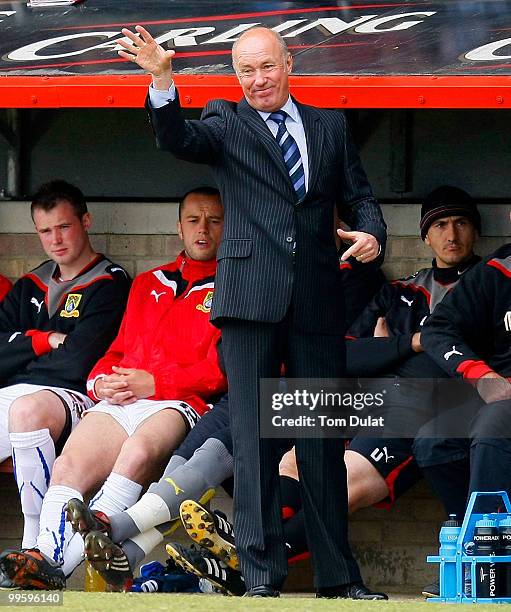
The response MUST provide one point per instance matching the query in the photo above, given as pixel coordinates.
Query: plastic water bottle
(486, 540)
(467, 570)
(448, 538)
(93, 581)
(505, 549)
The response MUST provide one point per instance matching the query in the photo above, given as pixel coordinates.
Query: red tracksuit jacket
(166, 331)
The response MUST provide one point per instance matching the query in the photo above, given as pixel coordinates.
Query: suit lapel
(314, 139)
(256, 123)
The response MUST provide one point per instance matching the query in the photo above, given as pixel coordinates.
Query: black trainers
(109, 560)
(432, 590)
(84, 520)
(211, 530)
(31, 569)
(204, 565)
(355, 590)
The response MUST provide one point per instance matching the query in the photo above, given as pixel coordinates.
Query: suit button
(289, 239)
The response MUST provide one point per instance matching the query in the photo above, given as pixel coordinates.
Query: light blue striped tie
(290, 152)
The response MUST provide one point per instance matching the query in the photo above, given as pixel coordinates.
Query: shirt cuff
(473, 369)
(159, 98)
(90, 387)
(40, 341)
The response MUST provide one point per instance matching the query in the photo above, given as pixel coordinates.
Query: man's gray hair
(278, 36)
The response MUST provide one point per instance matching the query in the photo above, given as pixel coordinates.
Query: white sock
(5, 445)
(149, 511)
(33, 457)
(74, 555)
(117, 494)
(55, 532)
(148, 540)
(114, 496)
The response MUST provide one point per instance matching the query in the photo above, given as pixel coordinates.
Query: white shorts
(130, 417)
(74, 402)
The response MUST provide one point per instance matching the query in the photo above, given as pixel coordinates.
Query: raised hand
(142, 49)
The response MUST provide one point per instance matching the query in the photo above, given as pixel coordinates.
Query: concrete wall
(142, 235)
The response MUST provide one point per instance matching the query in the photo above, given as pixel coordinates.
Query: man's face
(452, 240)
(63, 235)
(201, 225)
(262, 70)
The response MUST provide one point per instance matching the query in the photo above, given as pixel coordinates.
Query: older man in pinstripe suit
(281, 168)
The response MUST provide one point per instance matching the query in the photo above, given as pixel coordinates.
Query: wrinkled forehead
(257, 44)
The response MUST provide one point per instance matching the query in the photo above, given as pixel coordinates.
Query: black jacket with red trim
(166, 331)
(406, 304)
(469, 333)
(88, 309)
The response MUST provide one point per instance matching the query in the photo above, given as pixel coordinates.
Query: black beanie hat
(448, 201)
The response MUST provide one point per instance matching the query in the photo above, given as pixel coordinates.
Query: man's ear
(289, 63)
(86, 221)
(179, 230)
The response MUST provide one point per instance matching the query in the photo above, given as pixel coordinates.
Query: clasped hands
(125, 386)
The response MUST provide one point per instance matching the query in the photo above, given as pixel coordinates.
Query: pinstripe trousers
(255, 350)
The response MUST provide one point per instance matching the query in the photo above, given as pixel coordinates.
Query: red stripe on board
(178, 55)
(246, 15)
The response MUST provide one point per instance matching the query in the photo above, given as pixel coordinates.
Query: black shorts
(213, 424)
(394, 461)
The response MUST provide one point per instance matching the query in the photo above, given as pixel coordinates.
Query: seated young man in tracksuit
(55, 323)
(469, 337)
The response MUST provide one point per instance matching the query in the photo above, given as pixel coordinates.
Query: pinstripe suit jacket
(275, 250)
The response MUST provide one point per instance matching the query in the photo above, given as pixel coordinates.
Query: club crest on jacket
(71, 306)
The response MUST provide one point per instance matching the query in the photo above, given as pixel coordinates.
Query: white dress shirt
(294, 126)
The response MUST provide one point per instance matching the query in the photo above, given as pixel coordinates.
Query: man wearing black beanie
(448, 201)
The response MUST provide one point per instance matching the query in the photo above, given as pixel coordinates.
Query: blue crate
(460, 559)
